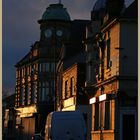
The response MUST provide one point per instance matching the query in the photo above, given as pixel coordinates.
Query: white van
(65, 125)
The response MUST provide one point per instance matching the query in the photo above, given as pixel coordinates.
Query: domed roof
(56, 12)
(99, 5)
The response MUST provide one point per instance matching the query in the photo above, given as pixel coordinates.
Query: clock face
(59, 33)
(48, 33)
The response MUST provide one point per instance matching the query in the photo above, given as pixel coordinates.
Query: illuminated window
(29, 94)
(34, 92)
(35, 67)
(28, 70)
(22, 95)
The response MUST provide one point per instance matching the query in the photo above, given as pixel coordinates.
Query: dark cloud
(20, 28)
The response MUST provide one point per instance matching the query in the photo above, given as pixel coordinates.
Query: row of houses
(87, 65)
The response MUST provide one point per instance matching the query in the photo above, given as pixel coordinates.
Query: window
(29, 94)
(72, 86)
(44, 67)
(44, 91)
(35, 67)
(52, 66)
(108, 53)
(17, 73)
(96, 117)
(28, 70)
(66, 89)
(90, 66)
(22, 95)
(102, 115)
(107, 115)
(34, 92)
(22, 72)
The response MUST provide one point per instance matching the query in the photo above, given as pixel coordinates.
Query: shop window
(96, 117)
(102, 116)
(107, 115)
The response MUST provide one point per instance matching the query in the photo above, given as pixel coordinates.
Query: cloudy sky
(21, 30)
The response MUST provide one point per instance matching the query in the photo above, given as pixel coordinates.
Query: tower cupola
(56, 12)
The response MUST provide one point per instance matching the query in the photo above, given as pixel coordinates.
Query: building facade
(73, 80)
(53, 75)
(73, 95)
(35, 75)
(114, 104)
(37, 90)
(71, 75)
(8, 117)
(70, 53)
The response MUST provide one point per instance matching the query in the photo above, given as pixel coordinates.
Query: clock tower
(55, 30)
(55, 25)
